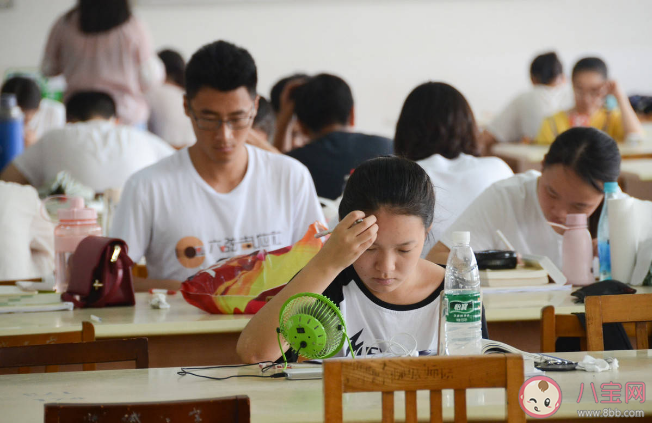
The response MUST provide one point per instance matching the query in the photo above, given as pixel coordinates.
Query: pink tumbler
(75, 224)
(577, 251)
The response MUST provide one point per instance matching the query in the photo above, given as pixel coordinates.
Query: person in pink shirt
(100, 46)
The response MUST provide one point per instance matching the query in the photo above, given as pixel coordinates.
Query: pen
(324, 233)
(504, 239)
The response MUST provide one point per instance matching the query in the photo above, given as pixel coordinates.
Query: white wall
(386, 48)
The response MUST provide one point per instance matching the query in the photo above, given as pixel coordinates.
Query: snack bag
(243, 284)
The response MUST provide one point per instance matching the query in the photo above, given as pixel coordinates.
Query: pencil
(330, 231)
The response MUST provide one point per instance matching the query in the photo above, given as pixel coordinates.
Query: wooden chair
(77, 353)
(223, 410)
(617, 308)
(87, 334)
(411, 374)
(555, 326)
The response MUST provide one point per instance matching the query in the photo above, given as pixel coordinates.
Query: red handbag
(100, 274)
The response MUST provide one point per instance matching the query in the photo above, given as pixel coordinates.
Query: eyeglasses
(234, 124)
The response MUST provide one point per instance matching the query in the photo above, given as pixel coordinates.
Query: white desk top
(183, 318)
(141, 320)
(640, 167)
(278, 400)
(534, 153)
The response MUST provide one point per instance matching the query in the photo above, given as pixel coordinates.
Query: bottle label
(463, 308)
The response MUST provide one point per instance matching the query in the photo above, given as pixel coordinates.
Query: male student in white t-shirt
(521, 119)
(92, 148)
(220, 197)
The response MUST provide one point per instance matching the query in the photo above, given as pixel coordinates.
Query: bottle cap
(610, 187)
(8, 101)
(77, 211)
(461, 237)
(576, 220)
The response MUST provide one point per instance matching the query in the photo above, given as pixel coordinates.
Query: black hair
(175, 66)
(435, 119)
(545, 68)
(277, 89)
(27, 91)
(323, 100)
(97, 16)
(397, 184)
(85, 105)
(591, 64)
(222, 66)
(265, 119)
(592, 155)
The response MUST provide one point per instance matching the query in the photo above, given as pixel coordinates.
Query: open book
(541, 361)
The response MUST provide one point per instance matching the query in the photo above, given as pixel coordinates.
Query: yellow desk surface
(529, 156)
(180, 319)
(184, 319)
(279, 400)
(642, 168)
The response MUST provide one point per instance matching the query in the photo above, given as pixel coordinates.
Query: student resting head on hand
(372, 270)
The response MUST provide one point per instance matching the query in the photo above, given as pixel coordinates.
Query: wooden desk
(524, 157)
(182, 335)
(636, 178)
(279, 400)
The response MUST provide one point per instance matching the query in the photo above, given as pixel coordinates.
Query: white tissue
(591, 364)
(158, 301)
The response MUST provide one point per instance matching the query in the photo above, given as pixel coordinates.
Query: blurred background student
(93, 148)
(41, 114)
(437, 129)
(167, 117)
(288, 135)
(99, 45)
(550, 93)
(591, 85)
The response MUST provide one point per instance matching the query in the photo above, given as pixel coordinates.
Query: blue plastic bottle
(604, 249)
(11, 129)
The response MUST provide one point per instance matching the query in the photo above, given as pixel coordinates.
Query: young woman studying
(372, 270)
(575, 169)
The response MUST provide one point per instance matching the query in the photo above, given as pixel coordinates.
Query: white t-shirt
(167, 118)
(50, 115)
(170, 215)
(457, 183)
(511, 205)
(26, 237)
(368, 318)
(98, 154)
(523, 116)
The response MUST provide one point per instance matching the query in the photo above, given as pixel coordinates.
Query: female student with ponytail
(575, 169)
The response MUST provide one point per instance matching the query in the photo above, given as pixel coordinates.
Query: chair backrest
(555, 326)
(617, 308)
(87, 334)
(224, 410)
(411, 374)
(77, 353)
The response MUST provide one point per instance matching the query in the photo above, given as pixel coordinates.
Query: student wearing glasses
(591, 85)
(220, 197)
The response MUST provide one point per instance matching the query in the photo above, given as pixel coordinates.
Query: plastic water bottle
(11, 129)
(462, 303)
(604, 249)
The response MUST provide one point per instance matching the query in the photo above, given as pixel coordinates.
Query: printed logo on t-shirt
(191, 253)
(358, 347)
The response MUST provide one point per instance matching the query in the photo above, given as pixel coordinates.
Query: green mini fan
(312, 325)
